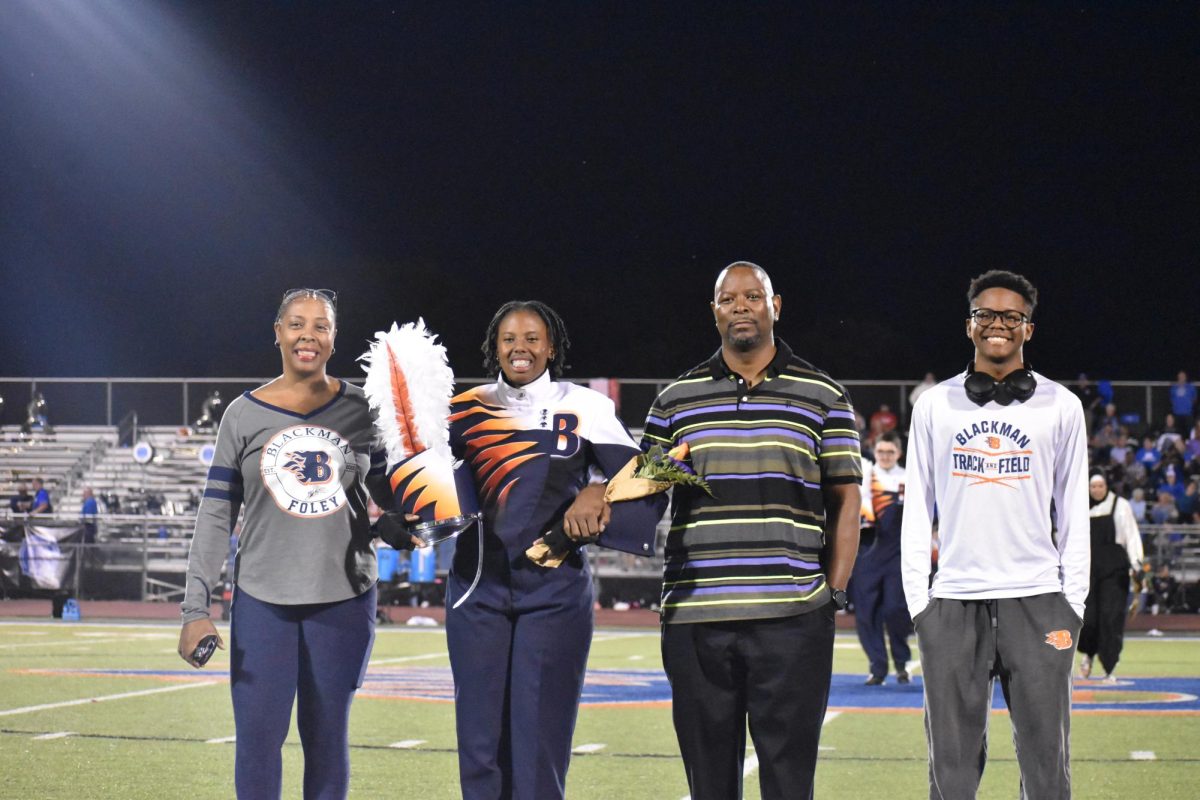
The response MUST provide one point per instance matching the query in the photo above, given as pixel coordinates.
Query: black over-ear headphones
(1018, 385)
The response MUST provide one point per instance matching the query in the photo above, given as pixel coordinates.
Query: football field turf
(93, 710)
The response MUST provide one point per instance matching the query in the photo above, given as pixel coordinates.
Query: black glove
(394, 529)
(559, 542)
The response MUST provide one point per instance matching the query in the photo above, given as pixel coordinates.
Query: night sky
(168, 169)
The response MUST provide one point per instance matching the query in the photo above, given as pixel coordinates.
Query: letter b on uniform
(566, 442)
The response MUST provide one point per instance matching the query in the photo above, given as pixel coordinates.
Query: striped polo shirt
(752, 552)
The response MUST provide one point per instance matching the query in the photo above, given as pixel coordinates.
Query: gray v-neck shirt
(302, 480)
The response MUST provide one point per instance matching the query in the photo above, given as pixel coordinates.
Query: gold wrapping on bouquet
(629, 484)
(541, 554)
(624, 486)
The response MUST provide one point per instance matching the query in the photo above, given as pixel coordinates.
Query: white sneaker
(1085, 666)
(1109, 679)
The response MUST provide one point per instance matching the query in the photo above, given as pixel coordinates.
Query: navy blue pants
(518, 650)
(314, 654)
(879, 605)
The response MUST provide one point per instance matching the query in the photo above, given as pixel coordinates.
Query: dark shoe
(902, 678)
(874, 680)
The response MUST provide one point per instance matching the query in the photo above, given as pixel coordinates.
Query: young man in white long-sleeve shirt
(1001, 453)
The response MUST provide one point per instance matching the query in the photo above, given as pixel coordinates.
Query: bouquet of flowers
(645, 474)
(652, 472)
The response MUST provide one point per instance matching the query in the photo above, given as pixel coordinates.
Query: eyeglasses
(1009, 319)
(328, 295)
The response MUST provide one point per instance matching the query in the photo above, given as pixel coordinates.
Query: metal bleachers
(58, 457)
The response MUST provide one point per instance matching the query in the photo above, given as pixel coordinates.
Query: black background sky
(167, 169)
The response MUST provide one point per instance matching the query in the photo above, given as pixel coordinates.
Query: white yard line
(221, 740)
(1143, 755)
(60, 735)
(407, 744)
(83, 643)
(750, 765)
(105, 698)
(588, 748)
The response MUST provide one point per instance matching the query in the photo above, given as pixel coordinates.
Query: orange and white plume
(409, 385)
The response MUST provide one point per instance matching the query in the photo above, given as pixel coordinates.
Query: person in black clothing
(1116, 555)
(22, 501)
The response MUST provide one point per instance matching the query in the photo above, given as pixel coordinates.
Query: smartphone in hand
(204, 650)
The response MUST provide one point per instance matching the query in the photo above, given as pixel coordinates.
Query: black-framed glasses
(1009, 319)
(328, 295)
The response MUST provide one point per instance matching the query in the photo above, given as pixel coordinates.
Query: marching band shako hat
(438, 491)
(409, 385)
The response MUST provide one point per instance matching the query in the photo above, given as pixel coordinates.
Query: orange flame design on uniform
(490, 449)
(426, 488)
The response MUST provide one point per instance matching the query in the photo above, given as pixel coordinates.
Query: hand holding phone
(204, 650)
(197, 640)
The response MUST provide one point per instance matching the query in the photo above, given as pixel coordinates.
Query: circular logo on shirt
(302, 468)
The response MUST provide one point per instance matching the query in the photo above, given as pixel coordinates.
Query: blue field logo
(633, 687)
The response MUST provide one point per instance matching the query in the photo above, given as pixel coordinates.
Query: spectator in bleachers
(22, 501)
(1109, 425)
(882, 421)
(89, 510)
(920, 389)
(1163, 589)
(1136, 476)
(1171, 484)
(41, 499)
(1186, 503)
(1148, 455)
(1093, 406)
(1137, 503)
(1183, 400)
(1191, 446)
(1120, 480)
(1164, 512)
(1170, 438)
(1119, 449)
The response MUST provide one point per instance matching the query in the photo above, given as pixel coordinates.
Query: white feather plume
(426, 374)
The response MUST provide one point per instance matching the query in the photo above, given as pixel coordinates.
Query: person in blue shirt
(1172, 485)
(41, 498)
(1148, 455)
(1183, 400)
(88, 511)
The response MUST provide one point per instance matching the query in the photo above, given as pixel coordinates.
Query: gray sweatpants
(1029, 644)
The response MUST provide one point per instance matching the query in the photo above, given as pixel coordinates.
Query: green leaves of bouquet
(658, 465)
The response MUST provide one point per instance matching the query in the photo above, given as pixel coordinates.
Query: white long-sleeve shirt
(996, 475)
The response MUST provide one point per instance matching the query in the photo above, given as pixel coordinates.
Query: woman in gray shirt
(296, 455)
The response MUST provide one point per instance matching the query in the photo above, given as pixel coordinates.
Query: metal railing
(177, 401)
(145, 558)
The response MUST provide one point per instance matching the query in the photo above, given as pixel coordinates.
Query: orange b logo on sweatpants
(1059, 640)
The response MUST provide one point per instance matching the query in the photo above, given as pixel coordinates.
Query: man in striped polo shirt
(753, 574)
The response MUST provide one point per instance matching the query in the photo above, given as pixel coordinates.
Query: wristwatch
(839, 598)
